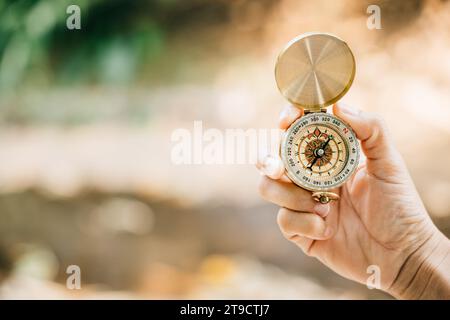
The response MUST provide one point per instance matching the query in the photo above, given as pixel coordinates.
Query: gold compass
(320, 151)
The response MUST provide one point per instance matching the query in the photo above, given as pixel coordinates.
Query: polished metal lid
(315, 70)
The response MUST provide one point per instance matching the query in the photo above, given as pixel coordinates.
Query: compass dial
(320, 152)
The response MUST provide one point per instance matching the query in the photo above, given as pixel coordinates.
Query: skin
(379, 219)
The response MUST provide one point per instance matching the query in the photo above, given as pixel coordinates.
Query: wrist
(425, 274)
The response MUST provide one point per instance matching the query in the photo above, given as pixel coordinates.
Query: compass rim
(296, 180)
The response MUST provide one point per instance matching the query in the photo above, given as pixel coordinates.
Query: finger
(288, 115)
(332, 218)
(286, 195)
(303, 243)
(368, 128)
(304, 224)
(323, 209)
(382, 159)
(284, 178)
(291, 196)
(271, 166)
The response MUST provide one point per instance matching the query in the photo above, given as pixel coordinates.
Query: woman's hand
(378, 220)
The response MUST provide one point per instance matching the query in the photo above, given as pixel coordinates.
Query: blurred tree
(117, 37)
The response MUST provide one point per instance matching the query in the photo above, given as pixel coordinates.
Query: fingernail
(348, 110)
(328, 232)
(322, 209)
(289, 113)
(270, 166)
(293, 112)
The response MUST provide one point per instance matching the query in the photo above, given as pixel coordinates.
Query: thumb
(383, 160)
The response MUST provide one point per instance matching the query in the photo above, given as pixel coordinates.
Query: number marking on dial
(320, 152)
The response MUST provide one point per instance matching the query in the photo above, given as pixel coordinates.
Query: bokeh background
(86, 118)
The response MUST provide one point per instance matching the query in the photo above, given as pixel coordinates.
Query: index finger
(288, 115)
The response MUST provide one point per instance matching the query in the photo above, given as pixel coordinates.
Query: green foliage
(117, 38)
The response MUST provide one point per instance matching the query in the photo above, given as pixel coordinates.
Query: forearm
(426, 273)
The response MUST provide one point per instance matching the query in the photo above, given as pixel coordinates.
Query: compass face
(320, 152)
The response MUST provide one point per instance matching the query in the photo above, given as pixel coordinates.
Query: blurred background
(86, 118)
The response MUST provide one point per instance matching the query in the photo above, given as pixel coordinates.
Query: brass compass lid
(315, 70)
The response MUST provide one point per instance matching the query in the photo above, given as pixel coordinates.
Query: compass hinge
(306, 111)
